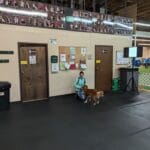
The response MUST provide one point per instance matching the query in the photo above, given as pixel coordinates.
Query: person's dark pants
(81, 95)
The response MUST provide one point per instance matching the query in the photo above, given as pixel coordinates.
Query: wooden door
(33, 72)
(103, 67)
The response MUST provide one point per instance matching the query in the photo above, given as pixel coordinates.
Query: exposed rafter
(115, 5)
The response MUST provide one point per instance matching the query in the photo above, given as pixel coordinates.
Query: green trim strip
(6, 52)
(4, 60)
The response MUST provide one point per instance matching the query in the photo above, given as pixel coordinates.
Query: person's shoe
(85, 102)
(77, 97)
(94, 104)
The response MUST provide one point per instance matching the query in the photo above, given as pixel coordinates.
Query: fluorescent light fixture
(86, 21)
(116, 23)
(83, 20)
(69, 19)
(94, 19)
(142, 24)
(63, 19)
(78, 19)
(125, 26)
(23, 12)
(108, 22)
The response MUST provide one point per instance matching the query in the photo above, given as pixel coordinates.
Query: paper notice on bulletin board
(83, 51)
(120, 60)
(72, 57)
(62, 66)
(63, 57)
(55, 67)
(83, 66)
(72, 50)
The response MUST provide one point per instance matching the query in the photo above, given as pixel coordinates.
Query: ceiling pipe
(72, 4)
(94, 5)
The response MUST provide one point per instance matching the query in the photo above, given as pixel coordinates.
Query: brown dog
(93, 95)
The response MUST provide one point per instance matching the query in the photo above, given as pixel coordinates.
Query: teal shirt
(79, 83)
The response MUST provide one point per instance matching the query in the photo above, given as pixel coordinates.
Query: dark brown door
(103, 67)
(33, 72)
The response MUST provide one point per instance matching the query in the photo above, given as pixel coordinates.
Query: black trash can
(4, 95)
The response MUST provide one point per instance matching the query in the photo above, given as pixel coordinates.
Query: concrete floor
(121, 122)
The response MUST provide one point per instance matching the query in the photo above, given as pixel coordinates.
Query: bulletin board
(72, 58)
(120, 60)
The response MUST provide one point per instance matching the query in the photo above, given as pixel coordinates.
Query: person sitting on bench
(79, 84)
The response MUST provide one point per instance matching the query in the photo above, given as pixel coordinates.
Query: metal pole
(125, 3)
(81, 4)
(106, 6)
(84, 4)
(135, 41)
(72, 4)
(53, 2)
(61, 2)
(94, 5)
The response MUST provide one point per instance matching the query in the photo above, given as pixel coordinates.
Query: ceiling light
(94, 19)
(125, 26)
(78, 19)
(108, 22)
(23, 12)
(86, 21)
(119, 24)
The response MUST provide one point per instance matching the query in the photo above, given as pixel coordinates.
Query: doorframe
(20, 44)
(95, 60)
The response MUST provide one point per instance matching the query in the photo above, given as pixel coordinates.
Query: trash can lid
(4, 85)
